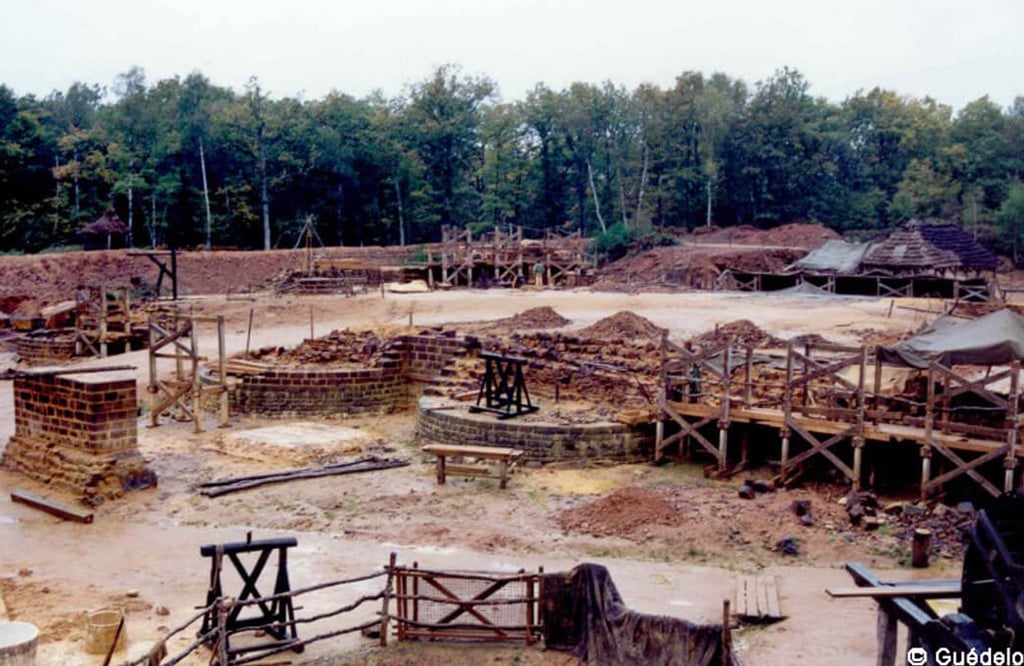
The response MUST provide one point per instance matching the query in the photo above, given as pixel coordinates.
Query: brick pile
(78, 433)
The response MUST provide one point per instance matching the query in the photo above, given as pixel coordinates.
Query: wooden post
(748, 392)
(886, 635)
(223, 610)
(1013, 418)
(929, 425)
(920, 544)
(787, 412)
(878, 384)
(726, 632)
(248, 333)
(723, 423)
(197, 392)
(388, 588)
(222, 372)
(659, 428)
(154, 389)
(310, 322)
(659, 438)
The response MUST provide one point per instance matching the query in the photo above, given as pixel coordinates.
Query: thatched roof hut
(100, 234)
(928, 247)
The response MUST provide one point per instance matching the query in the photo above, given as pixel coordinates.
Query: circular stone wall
(291, 392)
(445, 422)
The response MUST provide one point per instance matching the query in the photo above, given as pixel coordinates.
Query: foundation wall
(323, 391)
(45, 350)
(541, 442)
(78, 433)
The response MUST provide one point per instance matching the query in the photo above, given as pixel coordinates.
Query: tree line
(188, 163)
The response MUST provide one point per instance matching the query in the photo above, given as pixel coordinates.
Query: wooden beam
(51, 507)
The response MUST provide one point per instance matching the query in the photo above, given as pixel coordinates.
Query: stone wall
(426, 355)
(45, 349)
(323, 391)
(541, 442)
(79, 433)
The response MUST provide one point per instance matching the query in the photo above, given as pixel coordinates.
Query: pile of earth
(337, 347)
(542, 317)
(621, 513)
(797, 234)
(740, 333)
(623, 326)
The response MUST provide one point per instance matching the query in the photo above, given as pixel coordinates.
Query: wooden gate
(465, 605)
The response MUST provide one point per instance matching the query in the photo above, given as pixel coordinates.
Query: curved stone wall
(291, 392)
(439, 422)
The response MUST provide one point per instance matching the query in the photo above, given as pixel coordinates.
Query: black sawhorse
(278, 613)
(503, 388)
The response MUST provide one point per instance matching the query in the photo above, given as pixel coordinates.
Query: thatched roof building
(100, 234)
(928, 248)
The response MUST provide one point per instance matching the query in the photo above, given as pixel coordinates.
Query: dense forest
(193, 164)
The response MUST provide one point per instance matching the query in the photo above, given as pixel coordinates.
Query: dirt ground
(673, 540)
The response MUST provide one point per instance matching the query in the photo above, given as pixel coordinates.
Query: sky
(954, 52)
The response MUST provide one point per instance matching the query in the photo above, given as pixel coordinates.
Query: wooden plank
(469, 470)
(935, 590)
(485, 452)
(757, 599)
(49, 506)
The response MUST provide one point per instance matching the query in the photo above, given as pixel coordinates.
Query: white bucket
(18, 643)
(101, 628)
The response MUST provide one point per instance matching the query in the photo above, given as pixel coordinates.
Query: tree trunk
(206, 194)
(56, 197)
(152, 224)
(640, 192)
(401, 217)
(597, 202)
(131, 216)
(708, 214)
(264, 200)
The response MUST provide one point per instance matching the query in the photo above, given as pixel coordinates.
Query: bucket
(18, 643)
(101, 629)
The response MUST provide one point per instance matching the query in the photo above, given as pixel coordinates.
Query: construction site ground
(673, 540)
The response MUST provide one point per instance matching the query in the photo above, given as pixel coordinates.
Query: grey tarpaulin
(995, 339)
(582, 613)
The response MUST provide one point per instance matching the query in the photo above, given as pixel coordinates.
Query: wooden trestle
(826, 394)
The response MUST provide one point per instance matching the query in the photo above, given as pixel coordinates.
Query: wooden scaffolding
(508, 257)
(823, 395)
(173, 336)
(102, 318)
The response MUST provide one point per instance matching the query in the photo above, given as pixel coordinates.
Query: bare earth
(682, 561)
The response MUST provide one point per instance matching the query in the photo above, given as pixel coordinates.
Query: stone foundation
(326, 391)
(78, 433)
(444, 423)
(45, 349)
(289, 393)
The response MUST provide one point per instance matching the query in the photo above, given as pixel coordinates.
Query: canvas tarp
(835, 256)
(582, 613)
(995, 339)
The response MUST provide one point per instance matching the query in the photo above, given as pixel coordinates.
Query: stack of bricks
(36, 350)
(78, 433)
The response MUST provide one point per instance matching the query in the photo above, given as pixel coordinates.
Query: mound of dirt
(741, 332)
(542, 317)
(623, 325)
(621, 513)
(797, 234)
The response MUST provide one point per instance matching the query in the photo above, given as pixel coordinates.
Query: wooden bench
(506, 459)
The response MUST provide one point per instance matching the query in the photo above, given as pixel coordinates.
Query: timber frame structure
(184, 389)
(102, 318)
(823, 395)
(507, 257)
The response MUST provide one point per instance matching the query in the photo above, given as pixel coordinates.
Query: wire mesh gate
(465, 605)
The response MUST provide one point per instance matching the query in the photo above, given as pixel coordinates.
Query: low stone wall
(323, 391)
(79, 433)
(543, 442)
(426, 355)
(45, 349)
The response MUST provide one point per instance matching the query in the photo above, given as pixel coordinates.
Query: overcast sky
(954, 52)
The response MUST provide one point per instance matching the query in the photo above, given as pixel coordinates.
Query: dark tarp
(582, 613)
(995, 339)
